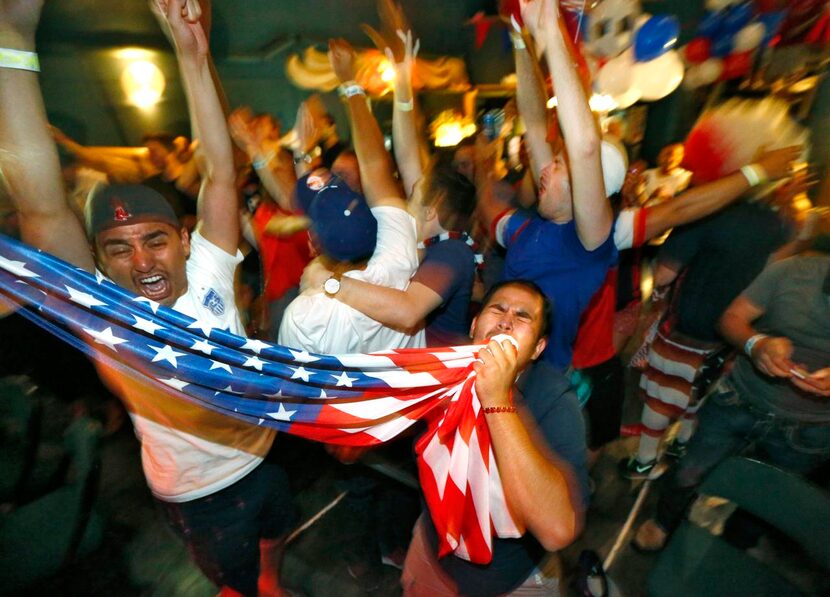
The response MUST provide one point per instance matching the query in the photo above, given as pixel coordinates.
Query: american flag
(349, 399)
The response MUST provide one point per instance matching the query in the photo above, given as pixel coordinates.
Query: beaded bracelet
(488, 410)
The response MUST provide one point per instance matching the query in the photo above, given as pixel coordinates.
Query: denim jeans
(731, 427)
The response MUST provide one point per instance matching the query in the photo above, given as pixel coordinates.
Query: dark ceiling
(248, 27)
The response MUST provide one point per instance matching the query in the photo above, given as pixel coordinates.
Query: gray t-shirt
(795, 306)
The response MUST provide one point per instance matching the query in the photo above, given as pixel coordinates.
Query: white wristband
(262, 162)
(754, 174)
(751, 342)
(19, 59)
(518, 40)
(405, 106)
(350, 89)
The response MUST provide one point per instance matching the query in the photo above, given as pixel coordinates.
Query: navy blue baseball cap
(112, 205)
(341, 220)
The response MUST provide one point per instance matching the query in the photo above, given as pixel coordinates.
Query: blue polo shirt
(552, 256)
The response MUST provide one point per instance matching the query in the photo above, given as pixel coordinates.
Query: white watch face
(331, 286)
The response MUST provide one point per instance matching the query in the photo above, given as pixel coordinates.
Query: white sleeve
(208, 260)
(500, 225)
(624, 229)
(396, 253)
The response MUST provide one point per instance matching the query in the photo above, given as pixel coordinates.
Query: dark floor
(140, 556)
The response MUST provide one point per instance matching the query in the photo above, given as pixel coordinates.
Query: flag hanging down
(349, 399)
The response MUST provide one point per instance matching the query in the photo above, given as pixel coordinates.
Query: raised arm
(217, 197)
(28, 158)
(531, 103)
(410, 153)
(272, 165)
(376, 171)
(706, 199)
(592, 211)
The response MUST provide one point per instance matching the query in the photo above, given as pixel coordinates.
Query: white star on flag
(278, 394)
(218, 365)
(174, 383)
(256, 345)
(18, 268)
(282, 414)
(343, 379)
(83, 298)
(203, 346)
(201, 325)
(300, 373)
(303, 356)
(323, 394)
(254, 362)
(100, 277)
(166, 354)
(151, 303)
(146, 325)
(106, 337)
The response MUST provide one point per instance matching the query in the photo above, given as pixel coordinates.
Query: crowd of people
(346, 248)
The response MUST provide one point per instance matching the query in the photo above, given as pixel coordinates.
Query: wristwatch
(332, 286)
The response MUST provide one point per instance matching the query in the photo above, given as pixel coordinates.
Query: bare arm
(536, 484)
(217, 197)
(407, 143)
(531, 103)
(770, 355)
(28, 157)
(403, 310)
(376, 171)
(592, 211)
(121, 164)
(706, 199)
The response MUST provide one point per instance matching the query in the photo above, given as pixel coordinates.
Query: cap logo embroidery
(120, 213)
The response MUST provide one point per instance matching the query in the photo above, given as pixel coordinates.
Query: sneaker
(676, 449)
(631, 468)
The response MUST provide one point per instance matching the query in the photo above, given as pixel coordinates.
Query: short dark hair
(453, 196)
(547, 308)
(162, 138)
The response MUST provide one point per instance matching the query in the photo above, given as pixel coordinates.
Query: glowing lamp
(143, 83)
(387, 72)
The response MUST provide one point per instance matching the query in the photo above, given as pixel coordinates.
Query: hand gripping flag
(349, 399)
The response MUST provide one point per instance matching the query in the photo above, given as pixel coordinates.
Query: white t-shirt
(187, 451)
(318, 323)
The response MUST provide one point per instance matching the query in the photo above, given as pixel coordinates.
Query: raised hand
(308, 133)
(180, 18)
(342, 57)
(239, 125)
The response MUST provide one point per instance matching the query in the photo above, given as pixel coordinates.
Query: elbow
(587, 146)
(560, 534)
